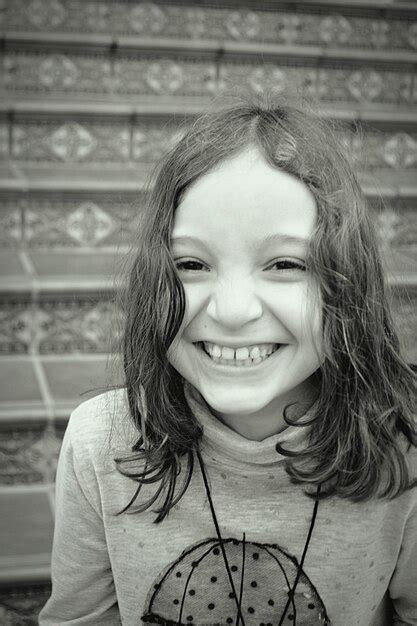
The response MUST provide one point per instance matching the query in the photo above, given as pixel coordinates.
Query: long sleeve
(83, 589)
(403, 586)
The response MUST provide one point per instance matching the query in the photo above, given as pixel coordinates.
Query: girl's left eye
(181, 265)
(288, 265)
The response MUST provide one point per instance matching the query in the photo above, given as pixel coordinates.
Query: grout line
(50, 416)
(43, 385)
(25, 488)
(27, 263)
(67, 356)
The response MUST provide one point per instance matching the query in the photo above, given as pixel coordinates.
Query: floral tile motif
(16, 326)
(22, 604)
(370, 151)
(148, 142)
(24, 453)
(11, 223)
(77, 325)
(396, 226)
(56, 72)
(80, 220)
(313, 26)
(71, 142)
(155, 74)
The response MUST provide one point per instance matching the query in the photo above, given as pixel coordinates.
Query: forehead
(246, 198)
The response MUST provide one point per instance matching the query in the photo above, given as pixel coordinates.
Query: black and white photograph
(208, 289)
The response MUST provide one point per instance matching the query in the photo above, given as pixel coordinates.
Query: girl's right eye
(188, 266)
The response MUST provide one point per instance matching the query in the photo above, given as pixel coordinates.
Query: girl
(266, 407)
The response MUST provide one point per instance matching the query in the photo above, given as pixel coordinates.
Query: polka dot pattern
(196, 587)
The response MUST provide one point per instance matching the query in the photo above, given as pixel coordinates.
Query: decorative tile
(335, 29)
(71, 142)
(397, 226)
(46, 14)
(95, 143)
(22, 604)
(365, 85)
(305, 26)
(16, 326)
(369, 151)
(149, 143)
(39, 72)
(89, 224)
(89, 220)
(146, 74)
(164, 76)
(243, 25)
(58, 72)
(77, 326)
(11, 225)
(147, 19)
(23, 456)
(400, 151)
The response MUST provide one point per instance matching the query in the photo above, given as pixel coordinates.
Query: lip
(232, 370)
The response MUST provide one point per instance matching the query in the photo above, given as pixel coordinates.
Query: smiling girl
(266, 421)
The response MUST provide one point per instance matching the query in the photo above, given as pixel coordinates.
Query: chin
(234, 400)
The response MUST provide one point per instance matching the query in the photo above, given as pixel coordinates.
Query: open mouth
(246, 363)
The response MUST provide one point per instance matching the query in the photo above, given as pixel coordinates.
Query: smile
(246, 363)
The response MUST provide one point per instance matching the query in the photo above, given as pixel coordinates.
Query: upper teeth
(250, 352)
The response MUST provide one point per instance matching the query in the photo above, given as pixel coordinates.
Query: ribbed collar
(223, 445)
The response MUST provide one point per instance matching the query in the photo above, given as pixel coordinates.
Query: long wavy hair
(362, 422)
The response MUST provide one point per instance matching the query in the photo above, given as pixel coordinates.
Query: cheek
(195, 297)
(299, 309)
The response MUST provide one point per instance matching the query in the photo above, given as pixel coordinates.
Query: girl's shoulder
(102, 425)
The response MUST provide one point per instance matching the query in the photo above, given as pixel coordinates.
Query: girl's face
(239, 243)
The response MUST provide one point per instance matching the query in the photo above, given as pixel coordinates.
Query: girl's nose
(234, 304)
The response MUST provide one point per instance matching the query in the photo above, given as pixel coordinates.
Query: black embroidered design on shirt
(195, 589)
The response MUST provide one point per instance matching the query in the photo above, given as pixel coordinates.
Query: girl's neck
(270, 420)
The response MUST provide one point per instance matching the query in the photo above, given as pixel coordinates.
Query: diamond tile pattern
(18, 603)
(23, 457)
(53, 220)
(305, 26)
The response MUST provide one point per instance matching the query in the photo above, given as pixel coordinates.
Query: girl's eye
(288, 265)
(188, 265)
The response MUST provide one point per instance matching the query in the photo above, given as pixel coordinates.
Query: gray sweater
(360, 568)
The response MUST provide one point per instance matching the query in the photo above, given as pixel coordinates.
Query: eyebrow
(266, 241)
